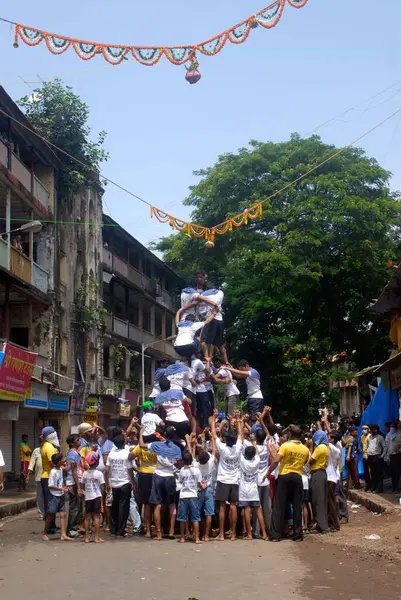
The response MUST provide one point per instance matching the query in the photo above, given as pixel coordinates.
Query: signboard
(37, 396)
(16, 370)
(90, 418)
(125, 408)
(59, 403)
(92, 405)
(78, 397)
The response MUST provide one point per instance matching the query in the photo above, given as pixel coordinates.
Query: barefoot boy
(93, 485)
(56, 502)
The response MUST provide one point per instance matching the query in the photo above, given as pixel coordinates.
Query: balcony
(127, 271)
(24, 176)
(135, 334)
(23, 267)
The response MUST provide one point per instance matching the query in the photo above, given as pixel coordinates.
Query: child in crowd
(149, 422)
(190, 479)
(93, 485)
(248, 490)
(56, 504)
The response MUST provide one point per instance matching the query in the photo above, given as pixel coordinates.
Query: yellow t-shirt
(294, 456)
(47, 451)
(147, 460)
(364, 444)
(24, 452)
(321, 457)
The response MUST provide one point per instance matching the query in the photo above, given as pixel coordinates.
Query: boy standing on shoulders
(93, 485)
(254, 393)
(190, 479)
(56, 504)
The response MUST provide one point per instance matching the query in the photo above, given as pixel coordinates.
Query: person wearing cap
(93, 486)
(50, 447)
(149, 422)
(85, 432)
(364, 448)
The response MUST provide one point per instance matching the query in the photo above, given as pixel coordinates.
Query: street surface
(321, 567)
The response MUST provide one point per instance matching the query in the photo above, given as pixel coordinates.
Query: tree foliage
(60, 115)
(304, 273)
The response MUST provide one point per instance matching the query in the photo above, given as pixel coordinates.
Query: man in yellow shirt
(292, 457)
(146, 465)
(49, 447)
(25, 456)
(318, 483)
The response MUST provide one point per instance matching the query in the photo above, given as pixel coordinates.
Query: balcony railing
(40, 278)
(129, 272)
(24, 175)
(23, 267)
(3, 253)
(20, 265)
(135, 334)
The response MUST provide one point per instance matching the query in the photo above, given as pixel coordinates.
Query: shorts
(226, 492)
(93, 507)
(306, 496)
(153, 437)
(250, 503)
(188, 350)
(206, 502)
(56, 504)
(188, 508)
(189, 394)
(144, 487)
(163, 490)
(183, 428)
(255, 405)
(24, 466)
(213, 333)
(204, 407)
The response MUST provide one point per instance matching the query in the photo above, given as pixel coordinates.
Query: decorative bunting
(150, 55)
(198, 231)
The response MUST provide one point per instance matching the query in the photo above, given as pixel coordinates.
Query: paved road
(167, 570)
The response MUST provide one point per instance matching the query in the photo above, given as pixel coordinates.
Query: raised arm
(183, 309)
(237, 372)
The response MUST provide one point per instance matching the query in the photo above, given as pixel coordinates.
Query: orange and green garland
(209, 233)
(150, 55)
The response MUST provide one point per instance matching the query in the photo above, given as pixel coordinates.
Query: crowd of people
(185, 467)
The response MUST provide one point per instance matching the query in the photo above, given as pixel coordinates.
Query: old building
(140, 294)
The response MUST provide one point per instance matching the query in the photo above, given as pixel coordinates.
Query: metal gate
(6, 444)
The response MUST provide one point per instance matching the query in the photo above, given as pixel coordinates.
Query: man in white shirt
(227, 474)
(120, 479)
(254, 393)
(333, 477)
(2, 465)
(224, 377)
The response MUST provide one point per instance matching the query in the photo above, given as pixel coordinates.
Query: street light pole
(144, 347)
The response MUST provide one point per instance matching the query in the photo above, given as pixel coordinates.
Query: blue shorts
(251, 503)
(56, 504)
(188, 508)
(206, 502)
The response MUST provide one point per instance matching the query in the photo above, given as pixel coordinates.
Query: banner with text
(16, 370)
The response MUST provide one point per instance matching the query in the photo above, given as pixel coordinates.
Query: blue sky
(318, 62)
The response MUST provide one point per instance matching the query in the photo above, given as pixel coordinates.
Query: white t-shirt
(227, 471)
(248, 479)
(229, 388)
(56, 480)
(178, 380)
(155, 390)
(186, 383)
(208, 471)
(149, 422)
(253, 384)
(187, 333)
(175, 411)
(119, 464)
(204, 310)
(165, 466)
(189, 478)
(198, 369)
(332, 467)
(264, 463)
(93, 479)
(2, 463)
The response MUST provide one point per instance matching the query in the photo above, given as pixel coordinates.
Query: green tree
(60, 115)
(305, 272)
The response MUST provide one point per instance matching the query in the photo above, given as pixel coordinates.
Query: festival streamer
(209, 233)
(150, 55)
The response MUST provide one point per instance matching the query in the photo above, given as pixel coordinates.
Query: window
(120, 309)
(133, 308)
(158, 323)
(169, 325)
(147, 268)
(146, 319)
(106, 361)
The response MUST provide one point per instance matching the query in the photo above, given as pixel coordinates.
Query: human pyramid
(184, 460)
